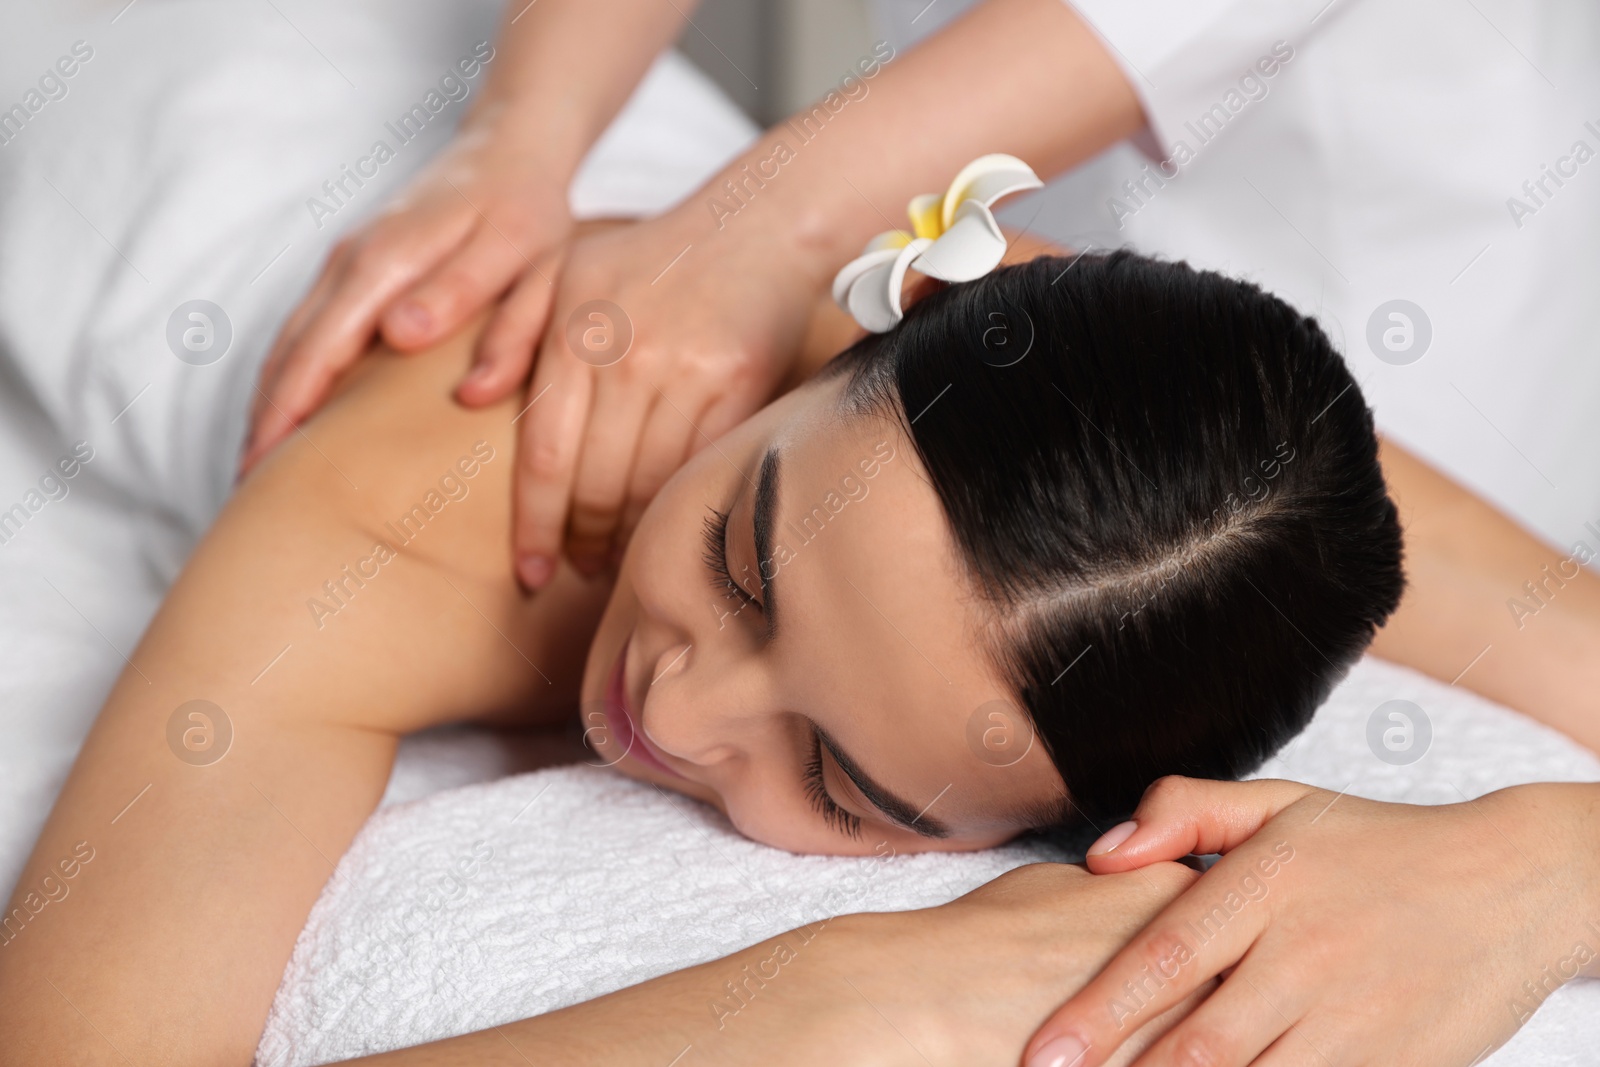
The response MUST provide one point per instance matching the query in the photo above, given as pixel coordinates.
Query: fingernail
(412, 317)
(480, 373)
(1112, 838)
(534, 570)
(1065, 1051)
(587, 564)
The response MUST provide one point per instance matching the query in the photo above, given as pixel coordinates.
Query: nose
(700, 705)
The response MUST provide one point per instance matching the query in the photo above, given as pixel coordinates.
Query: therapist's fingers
(369, 270)
(617, 419)
(745, 384)
(1181, 816)
(668, 440)
(1163, 964)
(1291, 1050)
(1230, 1028)
(377, 268)
(331, 278)
(550, 435)
(480, 269)
(505, 350)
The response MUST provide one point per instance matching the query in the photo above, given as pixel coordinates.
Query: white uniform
(1356, 154)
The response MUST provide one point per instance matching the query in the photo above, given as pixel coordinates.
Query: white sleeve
(1189, 58)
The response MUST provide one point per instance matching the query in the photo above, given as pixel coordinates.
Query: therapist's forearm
(1467, 567)
(562, 71)
(1024, 77)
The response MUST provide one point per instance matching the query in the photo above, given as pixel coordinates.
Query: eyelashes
(817, 792)
(716, 559)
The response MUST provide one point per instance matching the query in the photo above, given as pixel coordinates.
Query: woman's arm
(1490, 607)
(962, 983)
(357, 587)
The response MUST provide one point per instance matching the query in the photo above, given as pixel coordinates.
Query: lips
(623, 727)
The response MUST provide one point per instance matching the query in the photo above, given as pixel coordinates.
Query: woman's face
(835, 696)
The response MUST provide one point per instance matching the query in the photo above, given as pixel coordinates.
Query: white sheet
(177, 167)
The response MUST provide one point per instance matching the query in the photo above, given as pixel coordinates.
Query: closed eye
(847, 823)
(716, 558)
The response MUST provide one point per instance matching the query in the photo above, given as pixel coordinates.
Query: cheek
(780, 816)
(662, 579)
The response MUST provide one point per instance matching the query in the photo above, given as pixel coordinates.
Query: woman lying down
(1068, 528)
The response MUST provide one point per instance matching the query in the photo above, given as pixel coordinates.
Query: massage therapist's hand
(486, 219)
(1346, 931)
(664, 334)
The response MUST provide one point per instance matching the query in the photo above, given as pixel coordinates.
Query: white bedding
(177, 167)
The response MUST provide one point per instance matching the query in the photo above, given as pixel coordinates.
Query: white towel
(497, 901)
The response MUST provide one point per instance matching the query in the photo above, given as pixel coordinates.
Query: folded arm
(1468, 566)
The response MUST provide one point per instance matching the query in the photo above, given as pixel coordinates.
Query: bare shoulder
(379, 541)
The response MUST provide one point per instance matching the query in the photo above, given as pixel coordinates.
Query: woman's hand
(1345, 930)
(486, 219)
(665, 334)
(967, 981)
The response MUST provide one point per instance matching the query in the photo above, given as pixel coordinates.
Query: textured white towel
(496, 901)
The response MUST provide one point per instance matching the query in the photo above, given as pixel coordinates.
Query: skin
(1467, 561)
(584, 482)
(202, 875)
(718, 330)
(877, 594)
(202, 880)
(1316, 972)
(487, 219)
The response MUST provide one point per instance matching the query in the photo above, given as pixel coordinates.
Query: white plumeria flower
(954, 238)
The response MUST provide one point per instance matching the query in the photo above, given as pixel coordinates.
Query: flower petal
(987, 179)
(972, 246)
(895, 239)
(854, 269)
(873, 297)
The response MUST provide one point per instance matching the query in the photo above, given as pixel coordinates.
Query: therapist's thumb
(1181, 816)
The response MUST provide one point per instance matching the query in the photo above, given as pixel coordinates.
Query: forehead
(869, 582)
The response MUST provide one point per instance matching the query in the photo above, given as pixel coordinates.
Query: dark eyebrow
(761, 522)
(885, 801)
